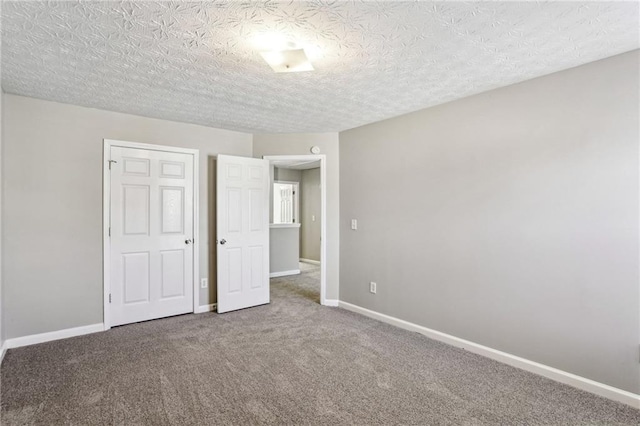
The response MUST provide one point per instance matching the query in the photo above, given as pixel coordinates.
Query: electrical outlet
(372, 287)
(313, 218)
(354, 224)
(204, 283)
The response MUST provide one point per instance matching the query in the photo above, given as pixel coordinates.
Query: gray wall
(509, 219)
(299, 144)
(2, 338)
(310, 202)
(52, 210)
(2, 334)
(288, 175)
(284, 248)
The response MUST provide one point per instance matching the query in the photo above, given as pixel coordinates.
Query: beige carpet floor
(291, 362)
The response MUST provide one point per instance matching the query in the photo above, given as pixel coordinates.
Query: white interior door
(243, 232)
(151, 234)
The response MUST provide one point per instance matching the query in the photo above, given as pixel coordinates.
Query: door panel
(256, 254)
(234, 204)
(243, 232)
(171, 169)
(136, 277)
(172, 210)
(135, 208)
(151, 233)
(135, 166)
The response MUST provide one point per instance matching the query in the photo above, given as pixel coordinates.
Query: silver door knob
(223, 241)
(187, 241)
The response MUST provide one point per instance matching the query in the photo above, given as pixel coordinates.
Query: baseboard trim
(552, 373)
(331, 302)
(52, 335)
(3, 350)
(205, 308)
(313, 262)
(284, 273)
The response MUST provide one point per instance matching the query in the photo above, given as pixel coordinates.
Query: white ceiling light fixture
(286, 57)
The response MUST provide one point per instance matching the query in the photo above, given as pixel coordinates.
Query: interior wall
(2, 334)
(2, 338)
(299, 144)
(509, 219)
(310, 203)
(288, 175)
(284, 249)
(52, 208)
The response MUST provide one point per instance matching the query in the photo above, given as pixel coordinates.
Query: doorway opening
(298, 221)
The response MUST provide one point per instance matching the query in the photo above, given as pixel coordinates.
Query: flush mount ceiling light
(282, 55)
(294, 60)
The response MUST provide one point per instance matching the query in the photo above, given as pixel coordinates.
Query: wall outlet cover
(204, 283)
(372, 287)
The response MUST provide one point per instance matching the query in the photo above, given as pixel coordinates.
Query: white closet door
(151, 234)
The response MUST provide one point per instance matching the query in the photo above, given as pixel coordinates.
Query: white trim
(3, 350)
(331, 302)
(52, 335)
(205, 308)
(106, 223)
(150, 146)
(284, 225)
(323, 212)
(106, 219)
(313, 262)
(196, 227)
(570, 379)
(284, 273)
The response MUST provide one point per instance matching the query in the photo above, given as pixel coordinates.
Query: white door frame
(106, 217)
(323, 211)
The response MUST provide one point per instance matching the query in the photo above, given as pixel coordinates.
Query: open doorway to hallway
(298, 223)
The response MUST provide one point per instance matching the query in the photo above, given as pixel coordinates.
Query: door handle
(187, 241)
(223, 241)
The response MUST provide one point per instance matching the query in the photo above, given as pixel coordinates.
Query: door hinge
(109, 231)
(109, 297)
(110, 162)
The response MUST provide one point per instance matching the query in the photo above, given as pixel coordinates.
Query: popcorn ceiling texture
(197, 62)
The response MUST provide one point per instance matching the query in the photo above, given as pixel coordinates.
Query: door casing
(106, 219)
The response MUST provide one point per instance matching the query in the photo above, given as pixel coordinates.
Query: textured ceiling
(198, 62)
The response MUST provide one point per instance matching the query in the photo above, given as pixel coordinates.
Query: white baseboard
(3, 350)
(331, 302)
(205, 308)
(53, 335)
(284, 273)
(570, 379)
(313, 262)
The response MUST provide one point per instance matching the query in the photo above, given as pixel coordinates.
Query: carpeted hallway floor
(290, 362)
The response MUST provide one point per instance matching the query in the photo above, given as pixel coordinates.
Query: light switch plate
(204, 283)
(354, 224)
